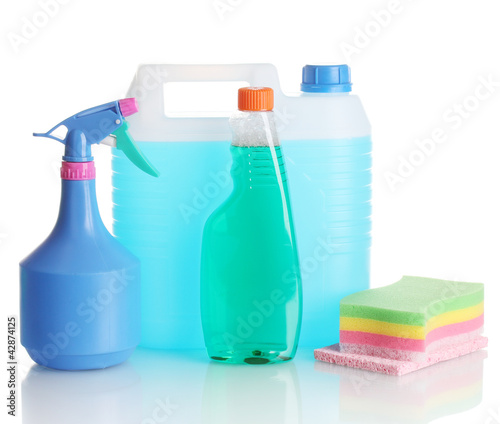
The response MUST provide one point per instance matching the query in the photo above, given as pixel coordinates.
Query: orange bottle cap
(256, 98)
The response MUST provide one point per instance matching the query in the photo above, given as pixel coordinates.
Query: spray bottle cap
(256, 99)
(93, 125)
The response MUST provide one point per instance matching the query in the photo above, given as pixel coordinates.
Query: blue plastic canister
(327, 145)
(326, 141)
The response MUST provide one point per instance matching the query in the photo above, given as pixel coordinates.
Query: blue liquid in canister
(161, 221)
(330, 193)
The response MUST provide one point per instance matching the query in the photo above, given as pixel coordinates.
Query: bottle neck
(252, 129)
(78, 212)
(332, 94)
(78, 171)
(257, 167)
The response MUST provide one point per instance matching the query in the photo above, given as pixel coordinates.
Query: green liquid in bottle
(251, 300)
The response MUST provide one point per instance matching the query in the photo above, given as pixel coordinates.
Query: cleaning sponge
(412, 318)
(409, 325)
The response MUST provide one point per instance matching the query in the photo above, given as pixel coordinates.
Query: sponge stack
(411, 318)
(408, 325)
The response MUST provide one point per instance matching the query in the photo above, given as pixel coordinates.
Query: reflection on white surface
(443, 389)
(101, 396)
(172, 385)
(186, 387)
(251, 394)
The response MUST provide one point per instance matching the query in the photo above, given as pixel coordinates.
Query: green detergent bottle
(251, 296)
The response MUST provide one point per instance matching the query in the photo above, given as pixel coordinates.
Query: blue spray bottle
(80, 289)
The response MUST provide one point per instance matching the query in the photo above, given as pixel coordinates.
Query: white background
(413, 74)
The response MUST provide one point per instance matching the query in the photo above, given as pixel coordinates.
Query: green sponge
(412, 300)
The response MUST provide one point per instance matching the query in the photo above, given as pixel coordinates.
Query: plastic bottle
(327, 145)
(251, 301)
(80, 289)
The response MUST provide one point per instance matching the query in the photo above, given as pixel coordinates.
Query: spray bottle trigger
(110, 141)
(127, 145)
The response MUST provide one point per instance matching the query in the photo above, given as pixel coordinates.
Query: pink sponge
(395, 367)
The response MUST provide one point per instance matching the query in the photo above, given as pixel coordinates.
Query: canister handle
(148, 84)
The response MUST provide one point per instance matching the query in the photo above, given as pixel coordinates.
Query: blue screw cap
(326, 79)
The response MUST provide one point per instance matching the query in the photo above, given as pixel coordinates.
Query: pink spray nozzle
(128, 106)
